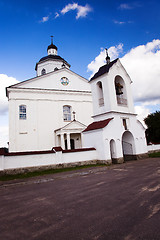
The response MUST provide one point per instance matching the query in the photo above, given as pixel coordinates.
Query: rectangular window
(124, 123)
(22, 112)
(66, 113)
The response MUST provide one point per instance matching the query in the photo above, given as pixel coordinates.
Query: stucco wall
(100, 138)
(44, 115)
(9, 161)
(108, 85)
(153, 148)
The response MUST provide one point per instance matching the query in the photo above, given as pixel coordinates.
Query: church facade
(60, 108)
(51, 109)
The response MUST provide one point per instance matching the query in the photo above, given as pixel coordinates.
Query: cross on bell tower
(107, 57)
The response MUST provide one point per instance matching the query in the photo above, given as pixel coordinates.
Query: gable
(62, 79)
(72, 126)
(113, 68)
(104, 69)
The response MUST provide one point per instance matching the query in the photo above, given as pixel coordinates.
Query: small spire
(74, 116)
(63, 65)
(51, 39)
(107, 57)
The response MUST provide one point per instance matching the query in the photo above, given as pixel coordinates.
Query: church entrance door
(72, 143)
(128, 146)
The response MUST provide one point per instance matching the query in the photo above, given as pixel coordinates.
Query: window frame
(22, 112)
(43, 72)
(67, 114)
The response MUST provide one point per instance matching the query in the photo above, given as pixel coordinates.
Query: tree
(153, 127)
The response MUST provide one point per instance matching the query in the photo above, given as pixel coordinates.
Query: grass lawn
(45, 172)
(155, 154)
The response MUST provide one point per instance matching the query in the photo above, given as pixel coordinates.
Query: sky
(82, 30)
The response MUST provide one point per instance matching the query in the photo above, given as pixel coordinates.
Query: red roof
(98, 125)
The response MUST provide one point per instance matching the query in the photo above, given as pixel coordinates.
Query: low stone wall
(56, 166)
(56, 158)
(153, 148)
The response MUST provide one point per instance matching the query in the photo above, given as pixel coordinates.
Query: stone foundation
(55, 166)
(142, 156)
(118, 160)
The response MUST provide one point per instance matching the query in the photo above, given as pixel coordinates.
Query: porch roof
(98, 125)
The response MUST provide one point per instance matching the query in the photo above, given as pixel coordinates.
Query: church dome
(51, 62)
(51, 46)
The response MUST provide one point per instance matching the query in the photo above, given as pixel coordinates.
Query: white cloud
(142, 64)
(45, 19)
(69, 7)
(142, 112)
(122, 23)
(56, 15)
(4, 136)
(5, 81)
(119, 22)
(82, 11)
(100, 59)
(125, 6)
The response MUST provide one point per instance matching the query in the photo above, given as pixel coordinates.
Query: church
(59, 108)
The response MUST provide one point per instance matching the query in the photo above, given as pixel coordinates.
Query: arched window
(43, 71)
(22, 112)
(120, 90)
(100, 94)
(67, 113)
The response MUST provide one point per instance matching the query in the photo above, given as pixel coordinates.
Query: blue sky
(81, 30)
(24, 37)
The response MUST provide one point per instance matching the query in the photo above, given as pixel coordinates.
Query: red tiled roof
(98, 125)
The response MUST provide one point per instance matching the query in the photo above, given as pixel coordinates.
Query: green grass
(8, 177)
(154, 155)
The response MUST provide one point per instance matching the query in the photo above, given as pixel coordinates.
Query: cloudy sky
(82, 30)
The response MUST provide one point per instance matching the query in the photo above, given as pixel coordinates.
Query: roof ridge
(104, 69)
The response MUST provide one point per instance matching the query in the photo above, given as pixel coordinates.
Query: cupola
(52, 49)
(51, 62)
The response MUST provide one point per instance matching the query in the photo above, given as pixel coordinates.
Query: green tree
(153, 127)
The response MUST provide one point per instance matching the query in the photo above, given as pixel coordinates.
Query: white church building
(59, 108)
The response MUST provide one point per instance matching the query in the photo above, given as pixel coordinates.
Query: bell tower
(111, 88)
(115, 133)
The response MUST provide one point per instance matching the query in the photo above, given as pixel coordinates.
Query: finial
(63, 65)
(107, 57)
(106, 51)
(51, 39)
(74, 116)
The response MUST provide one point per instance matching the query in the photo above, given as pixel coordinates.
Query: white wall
(96, 139)
(37, 160)
(49, 66)
(110, 100)
(153, 147)
(100, 139)
(44, 115)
